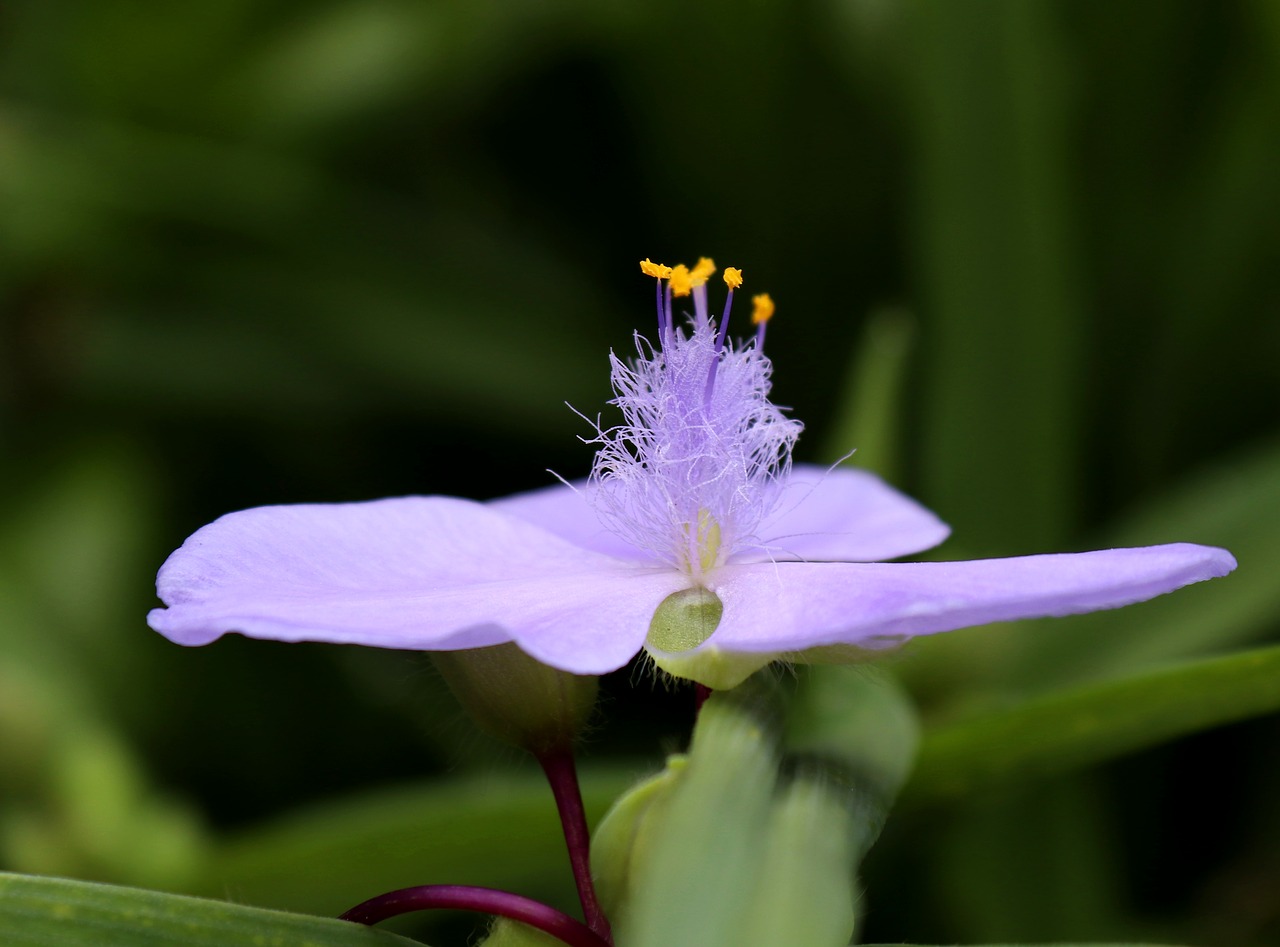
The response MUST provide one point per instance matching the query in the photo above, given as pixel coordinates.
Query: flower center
(689, 473)
(702, 544)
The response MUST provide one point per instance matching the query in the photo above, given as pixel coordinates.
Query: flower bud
(676, 858)
(517, 698)
(620, 844)
(508, 933)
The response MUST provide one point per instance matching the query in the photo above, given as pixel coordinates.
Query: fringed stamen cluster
(690, 472)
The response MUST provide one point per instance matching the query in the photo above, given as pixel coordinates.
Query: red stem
(562, 774)
(486, 900)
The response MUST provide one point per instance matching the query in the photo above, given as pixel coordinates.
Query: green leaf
(869, 415)
(994, 216)
(707, 850)
(1041, 860)
(498, 830)
(54, 912)
(1221, 235)
(1236, 506)
(71, 552)
(98, 817)
(1085, 725)
(76, 799)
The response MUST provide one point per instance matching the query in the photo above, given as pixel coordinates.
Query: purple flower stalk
(694, 538)
(484, 900)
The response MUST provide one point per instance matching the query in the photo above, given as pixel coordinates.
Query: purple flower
(694, 538)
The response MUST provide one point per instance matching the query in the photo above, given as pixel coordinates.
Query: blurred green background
(1025, 256)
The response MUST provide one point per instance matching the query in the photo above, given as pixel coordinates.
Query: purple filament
(724, 321)
(720, 337)
(668, 326)
(662, 313)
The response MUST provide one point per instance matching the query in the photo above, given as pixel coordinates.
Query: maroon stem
(486, 900)
(700, 694)
(562, 774)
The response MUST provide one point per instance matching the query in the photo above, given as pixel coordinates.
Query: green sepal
(518, 699)
(508, 933)
(621, 841)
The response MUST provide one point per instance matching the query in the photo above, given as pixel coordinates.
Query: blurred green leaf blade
(54, 912)
(994, 219)
(1061, 731)
(869, 416)
(1236, 506)
(494, 830)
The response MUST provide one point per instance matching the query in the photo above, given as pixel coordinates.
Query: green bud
(509, 933)
(864, 726)
(804, 891)
(517, 698)
(714, 851)
(697, 849)
(621, 842)
(682, 622)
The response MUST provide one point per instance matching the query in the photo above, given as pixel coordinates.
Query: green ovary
(682, 622)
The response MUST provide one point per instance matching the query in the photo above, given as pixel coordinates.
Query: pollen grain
(763, 311)
(681, 281)
(649, 268)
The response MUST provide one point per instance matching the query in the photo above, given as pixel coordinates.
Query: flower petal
(421, 573)
(566, 510)
(843, 514)
(821, 515)
(792, 606)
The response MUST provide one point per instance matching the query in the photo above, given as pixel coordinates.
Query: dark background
(1025, 261)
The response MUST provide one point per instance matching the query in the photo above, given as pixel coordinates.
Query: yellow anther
(681, 281)
(763, 311)
(700, 273)
(732, 277)
(649, 268)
